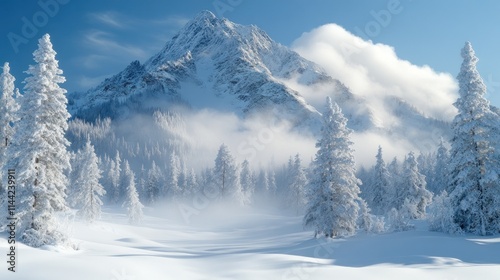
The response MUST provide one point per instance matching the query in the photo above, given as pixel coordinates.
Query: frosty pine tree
(132, 203)
(474, 162)
(88, 189)
(8, 116)
(38, 150)
(380, 192)
(226, 176)
(8, 111)
(333, 190)
(296, 198)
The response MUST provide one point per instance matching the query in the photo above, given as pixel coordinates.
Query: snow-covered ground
(226, 243)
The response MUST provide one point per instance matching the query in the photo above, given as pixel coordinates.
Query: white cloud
(108, 18)
(103, 41)
(375, 72)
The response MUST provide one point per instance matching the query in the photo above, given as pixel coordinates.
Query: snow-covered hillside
(250, 244)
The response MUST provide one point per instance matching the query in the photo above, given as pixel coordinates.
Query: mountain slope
(214, 63)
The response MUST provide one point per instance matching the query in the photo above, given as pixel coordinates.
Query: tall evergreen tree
(247, 182)
(8, 116)
(142, 184)
(296, 195)
(173, 171)
(380, 195)
(440, 176)
(86, 183)
(413, 189)
(271, 183)
(474, 163)
(39, 149)
(262, 184)
(333, 190)
(153, 184)
(132, 203)
(8, 111)
(184, 191)
(192, 182)
(226, 176)
(115, 176)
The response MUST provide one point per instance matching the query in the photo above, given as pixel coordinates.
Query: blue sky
(95, 39)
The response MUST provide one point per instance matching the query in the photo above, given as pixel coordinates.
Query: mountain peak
(215, 63)
(204, 16)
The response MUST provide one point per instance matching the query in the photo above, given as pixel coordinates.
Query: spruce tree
(8, 111)
(262, 184)
(226, 176)
(380, 195)
(441, 170)
(132, 203)
(173, 171)
(39, 150)
(192, 182)
(115, 176)
(474, 163)
(247, 182)
(412, 190)
(86, 183)
(153, 184)
(333, 190)
(8, 118)
(271, 183)
(296, 196)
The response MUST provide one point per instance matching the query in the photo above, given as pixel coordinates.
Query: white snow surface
(247, 243)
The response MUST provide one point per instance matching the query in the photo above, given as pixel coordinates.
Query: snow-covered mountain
(217, 64)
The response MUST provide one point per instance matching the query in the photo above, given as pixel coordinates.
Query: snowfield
(249, 244)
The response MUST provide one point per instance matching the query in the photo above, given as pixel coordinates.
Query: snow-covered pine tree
(247, 182)
(440, 214)
(368, 222)
(296, 194)
(440, 175)
(262, 183)
(115, 177)
(141, 184)
(8, 116)
(192, 182)
(426, 163)
(39, 150)
(366, 176)
(226, 176)
(394, 168)
(86, 184)
(132, 203)
(474, 163)
(333, 191)
(173, 171)
(271, 183)
(412, 189)
(380, 195)
(395, 173)
(185, 192)
(8, 111)
(108, 183)
(153, 184)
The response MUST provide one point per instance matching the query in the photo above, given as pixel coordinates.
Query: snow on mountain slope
(250, 244)
(214, 63)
